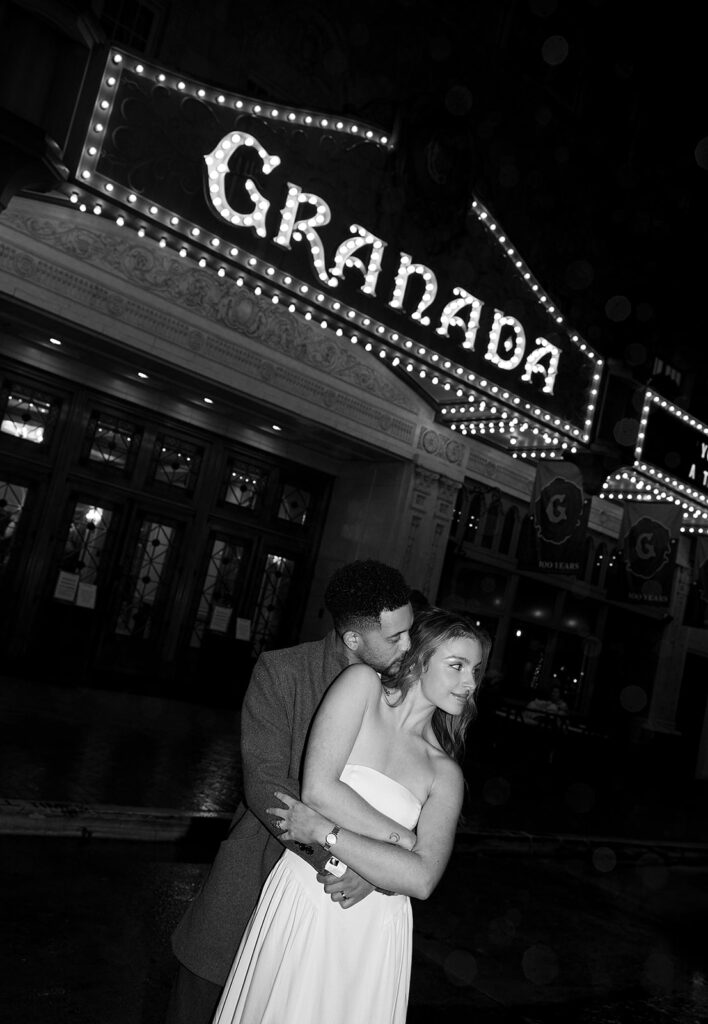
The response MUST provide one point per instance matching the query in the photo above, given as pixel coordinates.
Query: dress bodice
(383, 793)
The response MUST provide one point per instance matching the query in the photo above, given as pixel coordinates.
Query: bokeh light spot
(335, 61)
(440, 48)
(555, 50)
(618, 308)
(644, 312)
(701, 154)
(625, 431)
(633, 698)
(458, 100)
(502, 931)
(635, 354)
(580, 797)
(509, 175)
(543, 8)
(624, 69)
(540, 964)
(652, 871)
(460, 967)
(360, 34)
(659, 971)
(604, 859)
(579, 274)
(496, 792)
(652, 590)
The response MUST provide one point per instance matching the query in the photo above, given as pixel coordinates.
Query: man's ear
(351, 638)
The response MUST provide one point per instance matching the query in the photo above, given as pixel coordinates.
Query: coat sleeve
(266, 741)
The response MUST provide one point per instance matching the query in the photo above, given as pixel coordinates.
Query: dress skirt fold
(304, 960)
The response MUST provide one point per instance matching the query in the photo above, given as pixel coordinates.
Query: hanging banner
(702, 567)
(648, 541)
(560, 518)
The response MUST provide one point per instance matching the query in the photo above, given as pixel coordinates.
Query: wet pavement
(578, 890)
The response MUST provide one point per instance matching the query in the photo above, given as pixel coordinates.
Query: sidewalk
(503, 939)
(565, 900)
(82, 748)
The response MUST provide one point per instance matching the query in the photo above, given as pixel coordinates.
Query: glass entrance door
(141, 600)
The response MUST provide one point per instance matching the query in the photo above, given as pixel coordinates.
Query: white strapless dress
(304, 960)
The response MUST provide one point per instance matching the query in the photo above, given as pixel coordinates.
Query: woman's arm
(334, 731)
(412, 873)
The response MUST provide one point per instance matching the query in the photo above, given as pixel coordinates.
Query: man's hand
(348, 890)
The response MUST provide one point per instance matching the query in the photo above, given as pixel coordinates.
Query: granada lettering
(362, 252)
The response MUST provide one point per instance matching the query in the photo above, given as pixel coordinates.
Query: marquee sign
(675, 447)
(670, 462)
(305, 209)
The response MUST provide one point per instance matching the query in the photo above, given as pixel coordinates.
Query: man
(371, 613)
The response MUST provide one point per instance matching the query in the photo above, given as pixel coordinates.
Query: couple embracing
(352, 794)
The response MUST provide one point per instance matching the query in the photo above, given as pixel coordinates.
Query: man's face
(383, 648)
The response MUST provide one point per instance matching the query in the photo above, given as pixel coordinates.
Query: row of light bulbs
(242, 104)
(428, 365)
(510, 252)
(210, 252)
(652, 398)
(620, 487)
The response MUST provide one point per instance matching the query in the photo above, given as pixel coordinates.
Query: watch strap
(334, 831)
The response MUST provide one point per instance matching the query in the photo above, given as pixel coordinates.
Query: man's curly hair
(357, 593)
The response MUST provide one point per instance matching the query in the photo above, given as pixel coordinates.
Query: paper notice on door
(243, 629)
(65, 588)
(220, 616)
(86, 595)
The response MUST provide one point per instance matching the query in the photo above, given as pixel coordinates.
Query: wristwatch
(331, 837)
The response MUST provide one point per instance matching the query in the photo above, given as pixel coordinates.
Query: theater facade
(231, 361)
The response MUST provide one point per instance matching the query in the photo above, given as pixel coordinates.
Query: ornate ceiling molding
(168, 278)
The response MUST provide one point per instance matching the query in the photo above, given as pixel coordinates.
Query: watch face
(331, 839)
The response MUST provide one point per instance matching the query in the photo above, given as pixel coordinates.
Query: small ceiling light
(55, 341)
(143, 376)
(276, 427)
(209, 401)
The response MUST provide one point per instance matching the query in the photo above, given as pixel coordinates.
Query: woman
(382, 791)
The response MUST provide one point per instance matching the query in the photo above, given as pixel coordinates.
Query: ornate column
(437, 473)
(672, 656)
(431, 506)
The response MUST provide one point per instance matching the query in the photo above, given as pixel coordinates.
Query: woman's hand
(298, 822)
(404, 838)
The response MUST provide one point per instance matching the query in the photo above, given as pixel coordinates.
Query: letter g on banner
(555, 508)
(646, 537)
(644, 546)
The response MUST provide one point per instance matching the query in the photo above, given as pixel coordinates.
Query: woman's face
(449, 681)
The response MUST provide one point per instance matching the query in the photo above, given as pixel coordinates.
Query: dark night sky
(609, 200)
(628, 200)
(580, 124)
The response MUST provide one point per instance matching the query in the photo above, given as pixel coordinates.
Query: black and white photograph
(353, 512)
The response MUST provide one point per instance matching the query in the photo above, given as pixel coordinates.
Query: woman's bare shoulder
(446, 770)
(359, 675)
